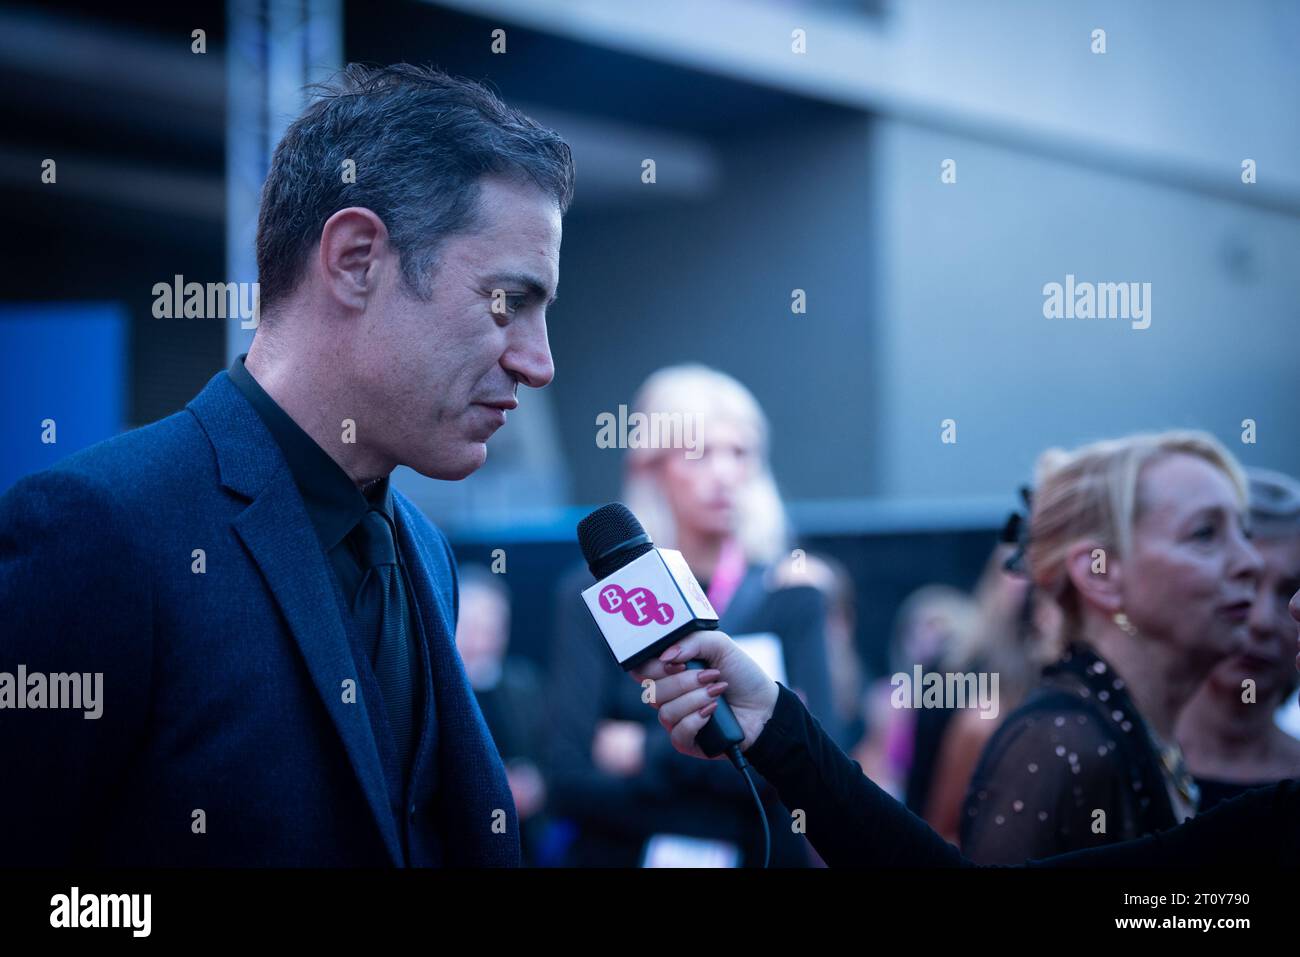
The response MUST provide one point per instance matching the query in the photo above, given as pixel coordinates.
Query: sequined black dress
(1073, 767)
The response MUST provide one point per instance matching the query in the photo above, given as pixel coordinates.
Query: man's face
(441, 374)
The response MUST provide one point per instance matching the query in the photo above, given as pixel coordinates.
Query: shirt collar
(333, 501)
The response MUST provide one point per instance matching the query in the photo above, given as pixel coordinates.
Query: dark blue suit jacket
(224, 692)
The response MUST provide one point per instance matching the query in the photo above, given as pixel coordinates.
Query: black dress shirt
(335, 505)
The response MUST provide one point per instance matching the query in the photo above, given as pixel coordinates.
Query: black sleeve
(1258, 829)
(848, 819)
(853, 823)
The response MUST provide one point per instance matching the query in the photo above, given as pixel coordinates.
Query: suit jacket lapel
(429, 634)
(278, 533)
(471, 776)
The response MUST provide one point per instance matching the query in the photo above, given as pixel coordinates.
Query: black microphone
(644, 599)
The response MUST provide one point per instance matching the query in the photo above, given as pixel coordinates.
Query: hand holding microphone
(658, 623)
(680, 697)
(645, 600)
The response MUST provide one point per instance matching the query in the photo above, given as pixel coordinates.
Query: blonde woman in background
(1141, 542)
(632, 798)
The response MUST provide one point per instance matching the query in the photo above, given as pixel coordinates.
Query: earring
(1121, 621)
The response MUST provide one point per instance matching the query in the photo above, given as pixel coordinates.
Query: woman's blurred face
(1191, 577)
(703, 492)
(931, 630)
(1269, 655)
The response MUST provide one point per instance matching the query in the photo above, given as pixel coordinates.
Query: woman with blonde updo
(1140, 541)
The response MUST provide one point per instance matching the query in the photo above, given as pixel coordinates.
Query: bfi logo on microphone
(643, 606)
(639, 606)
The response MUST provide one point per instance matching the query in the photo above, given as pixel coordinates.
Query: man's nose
(528, 358)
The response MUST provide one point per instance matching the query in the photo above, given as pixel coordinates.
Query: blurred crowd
(1134, 615)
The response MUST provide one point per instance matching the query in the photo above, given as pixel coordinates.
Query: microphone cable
(747, 769)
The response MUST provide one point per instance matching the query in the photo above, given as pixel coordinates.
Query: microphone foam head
(603, 531)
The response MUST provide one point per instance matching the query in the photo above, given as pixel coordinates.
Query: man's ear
(1096, 574)
(353, 244)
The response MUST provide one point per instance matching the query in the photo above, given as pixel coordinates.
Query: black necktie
(381, 609)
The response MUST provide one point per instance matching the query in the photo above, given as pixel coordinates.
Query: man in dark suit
(271, 623)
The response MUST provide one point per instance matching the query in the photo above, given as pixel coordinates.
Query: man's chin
(468, 460)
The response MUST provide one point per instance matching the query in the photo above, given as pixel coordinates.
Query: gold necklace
(1175, 765)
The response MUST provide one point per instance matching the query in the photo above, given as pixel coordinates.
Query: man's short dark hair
(420, 140)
